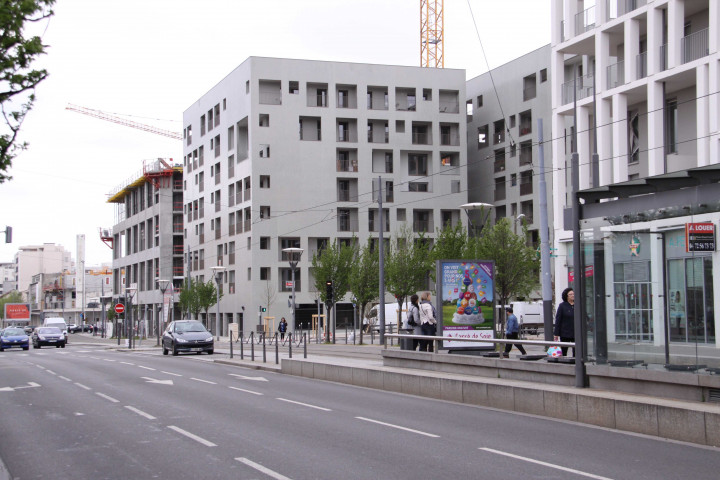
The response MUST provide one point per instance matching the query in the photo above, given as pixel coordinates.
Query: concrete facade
(33, 259)
(287, 153)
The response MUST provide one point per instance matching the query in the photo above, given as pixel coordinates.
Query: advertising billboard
(17, 312)
(466, 297)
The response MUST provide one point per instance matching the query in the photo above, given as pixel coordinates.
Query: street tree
(188, 299)
(11, 297)
(333, 264)
(269, 294)
(365, 278)
(408, 264)
(516, 263)
(207, 296)
(18, 78)
(450, 242)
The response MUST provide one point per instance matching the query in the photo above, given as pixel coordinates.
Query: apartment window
(512, 121)
(294, 87)
(388, 162)
(202, 125)
(543, 75)
(321, 97)
(427, 94)
(529, 87)
(482, 136)
(217, 146)
(417, 164)
(513, 149)
(671, 117)
(418, 187)
(231, 138)
(513, 180)
(247, 90)
(264, 151)
(479, 101)
(264, 120)
(264, 181)
(499, 135)
(265, 212)
(344, 220)
(264, 273)
(526, 122)
(224, 104)
(400, 126)
(264, 243)
(211, 122)
(217, 115)
(401, 214)
(526, 153)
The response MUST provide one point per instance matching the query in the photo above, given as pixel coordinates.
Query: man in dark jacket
(565, 320)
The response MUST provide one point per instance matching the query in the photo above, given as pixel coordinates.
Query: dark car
(51, 336)
(187, 336)
(14, 337)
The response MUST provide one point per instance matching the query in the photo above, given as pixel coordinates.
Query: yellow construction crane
(432, 33)
(122, 121)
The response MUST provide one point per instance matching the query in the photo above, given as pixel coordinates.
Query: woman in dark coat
(565, 320)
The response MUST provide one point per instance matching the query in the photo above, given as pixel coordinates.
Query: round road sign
(119, 308)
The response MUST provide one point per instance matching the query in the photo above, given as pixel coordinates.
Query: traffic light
(8, 234)
(263, 309)
(329, 291)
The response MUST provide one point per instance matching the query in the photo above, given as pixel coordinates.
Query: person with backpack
(428, 322)
(413, 319)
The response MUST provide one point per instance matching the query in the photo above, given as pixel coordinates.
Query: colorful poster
(466, 294)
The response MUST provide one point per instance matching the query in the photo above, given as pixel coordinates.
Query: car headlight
(181, 340)
(41, 337)
(209, 339)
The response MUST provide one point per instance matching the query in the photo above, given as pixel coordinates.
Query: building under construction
(147, 239)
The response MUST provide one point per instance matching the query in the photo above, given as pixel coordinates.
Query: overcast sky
(153, 58)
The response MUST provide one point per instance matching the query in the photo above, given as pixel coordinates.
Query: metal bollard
(277, 350)
(304, 345)
(241, 345)
(290, 342)
(252, 346)
(264, 349)
(231, 349)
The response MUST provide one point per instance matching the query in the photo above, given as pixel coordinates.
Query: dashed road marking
(545, 464)
(398, 427)
(304, 404)
(246, 391)
(260, 468)
(192, 436)
(140, 412)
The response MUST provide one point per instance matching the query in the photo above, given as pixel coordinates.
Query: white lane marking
(170, 373)
(204, 381)
(51, 372)
(128, 363)
(399, 427)
(64, 378)
(258, 379)
(154, 380)
(305, 404)
(12, 389)
(260, 468)
(246, 391)
(545, 464)
(140, 412)
(109, 360)
(192, 436)
(146, 368)
(41, 367)
(106, 397)
(82, 386)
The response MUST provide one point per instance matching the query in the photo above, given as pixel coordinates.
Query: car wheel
(26, 348)
(210, 352)
(62, 346)
(57, 346)
(175, 352)
(165, 350)
(36, 346)
(2, 349)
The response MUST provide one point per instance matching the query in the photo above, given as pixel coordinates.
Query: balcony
(663, 65)
(615, 75)
(641, 61)
(246, 225)
(585, 20)
(500, 191)
(583, 88)
(526, 186)
(420, 138)
(450, 139)
(499, 166)
(421, 226)
(267, 98)
(618, 8)
(231, 229)
(695, 46)
(345, 165)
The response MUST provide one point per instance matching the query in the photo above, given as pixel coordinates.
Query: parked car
(86, 328)
(51, 336)
(14, 337)
(187, 336)
(73, 328)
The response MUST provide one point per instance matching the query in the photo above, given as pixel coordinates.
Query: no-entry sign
(119, 308)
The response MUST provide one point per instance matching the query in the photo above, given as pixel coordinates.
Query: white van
(58, 322)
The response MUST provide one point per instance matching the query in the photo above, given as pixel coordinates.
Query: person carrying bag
(428, 323)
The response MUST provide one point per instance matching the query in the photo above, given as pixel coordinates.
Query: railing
(274, 98)
(343, 196)
(420, 138)
(347, 165)
(421, 226)
(663, 57)
(447, 107)
(178, 271)
(618, 8)
(499, 166)
(695, 46)
(525, 155)
(246, 225)
(177, 227)
(616, 74)
(526, 188)
(217, 233)
(498, 137)
(231, 229)
(583, 88)
(450, 139)
(641, 61)
(178, 249)
(529, 93)
(525, 128)
(345, 136)
(585, 20)
(500, 192)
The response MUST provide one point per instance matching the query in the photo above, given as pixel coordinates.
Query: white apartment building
(7, 277)
(33, 259)
(287, 153)
(647, 73)
(148, 243)
(503, 107)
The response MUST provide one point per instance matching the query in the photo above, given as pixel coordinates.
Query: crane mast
(122, 121)
(432, 33)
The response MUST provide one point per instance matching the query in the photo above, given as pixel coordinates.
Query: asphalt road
(89, 413)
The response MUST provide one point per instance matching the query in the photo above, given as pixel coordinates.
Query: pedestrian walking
(428, 322)
(413, 318)
(565, 320)
(282, 328)
(512, 331)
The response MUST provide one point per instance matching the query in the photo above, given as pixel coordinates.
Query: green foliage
(110, 313)
(365, 278)
(17, 79)
(407, 264)
(516, 263)
(206, 295)
(11, 297)
(333, 263)
(450, 242)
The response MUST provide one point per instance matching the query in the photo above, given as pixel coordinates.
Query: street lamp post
(163, 284)
(217, 273)
(129, 292)
(476, 206)
(294, 255)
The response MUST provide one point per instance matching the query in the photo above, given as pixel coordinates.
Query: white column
(556, 17)
(559, 171)
(583, 146)
(604, 139)
(714, 29)
(714, 106)
(654, 40)
(632, 49)
(620, 138)
(655, 129)
(676, 30)
(658, 297)
(602, 54)
(702, 80)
